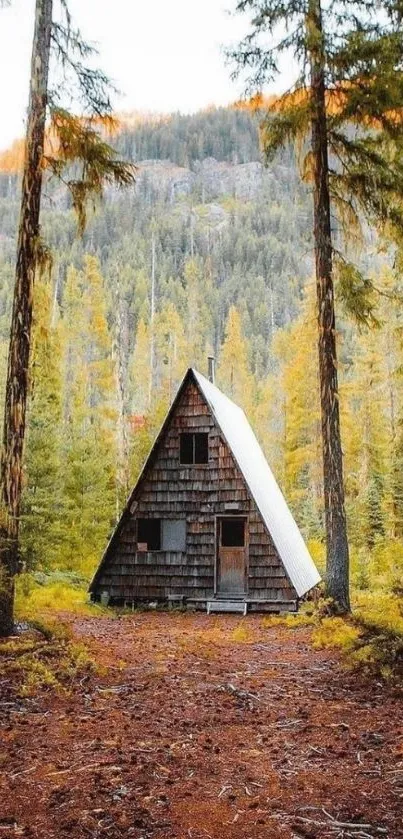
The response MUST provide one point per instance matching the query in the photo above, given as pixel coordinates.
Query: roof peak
(207, 385)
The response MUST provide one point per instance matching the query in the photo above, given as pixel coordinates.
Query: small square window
(149, 533)
(194, 448)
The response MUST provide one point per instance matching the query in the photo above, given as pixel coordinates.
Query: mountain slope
(202, 193)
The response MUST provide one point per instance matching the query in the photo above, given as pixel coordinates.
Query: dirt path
(204, 727)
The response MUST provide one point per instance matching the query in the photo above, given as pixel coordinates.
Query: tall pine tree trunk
(21, 324)
(337, 569)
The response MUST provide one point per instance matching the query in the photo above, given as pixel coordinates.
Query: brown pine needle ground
(196, 727)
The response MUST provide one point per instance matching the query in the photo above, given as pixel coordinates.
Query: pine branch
(355, 291)
(285, 123)
(78, 141)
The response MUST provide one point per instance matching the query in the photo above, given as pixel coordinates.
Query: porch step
(238, 606)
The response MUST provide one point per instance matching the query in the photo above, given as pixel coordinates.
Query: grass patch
(370, 640)
(335, 632)
(292, 620)
(46, 595)
(242, 634)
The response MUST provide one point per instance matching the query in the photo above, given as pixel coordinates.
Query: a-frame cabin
(206, 524)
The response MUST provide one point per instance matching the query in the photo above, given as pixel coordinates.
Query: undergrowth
(46, 656)
(366, 643)
(45, 595)
(336, 632)
(48, 660)
(380, 618)
(371, 639)
(291, 620)
(242, 633)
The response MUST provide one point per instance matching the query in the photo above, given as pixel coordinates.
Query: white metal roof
(263, 487)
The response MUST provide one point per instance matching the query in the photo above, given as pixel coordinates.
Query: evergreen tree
(172, 352)
(98, 342)
(397, 485)
(233, 374)
(200, 298)
(299, 385)
(371, 422)
(78, 141)
(140, 370)
(349, 72)
(89, 444)
(41, 510)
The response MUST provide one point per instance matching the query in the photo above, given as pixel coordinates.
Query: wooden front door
(231, 555)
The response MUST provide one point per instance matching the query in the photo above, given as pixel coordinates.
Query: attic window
(149, 534)
(194, 448)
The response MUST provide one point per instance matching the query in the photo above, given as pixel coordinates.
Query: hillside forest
(209, 253)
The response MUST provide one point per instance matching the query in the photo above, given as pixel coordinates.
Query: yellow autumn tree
(172, 352)
(297, 400)
(268, 422)
(234, 375)
(140, 370)
(201, 296)
(89, 450)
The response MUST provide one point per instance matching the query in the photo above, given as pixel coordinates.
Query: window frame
(162, 548)
(193, 435)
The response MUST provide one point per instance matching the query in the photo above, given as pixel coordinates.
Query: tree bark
(21, 323)
(337, 567)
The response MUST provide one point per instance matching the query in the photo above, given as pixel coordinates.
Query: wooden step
(238, 606)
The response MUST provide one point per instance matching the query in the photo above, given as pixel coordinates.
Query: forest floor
(193, 727)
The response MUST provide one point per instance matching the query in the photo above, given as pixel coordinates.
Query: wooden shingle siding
(197, 493)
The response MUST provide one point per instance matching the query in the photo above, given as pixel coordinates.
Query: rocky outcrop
(210, 178)
(218, 178)
(165, 179)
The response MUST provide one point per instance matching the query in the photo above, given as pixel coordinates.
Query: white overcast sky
(164, 55)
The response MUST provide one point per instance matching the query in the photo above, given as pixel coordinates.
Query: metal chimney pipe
(211, 368)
